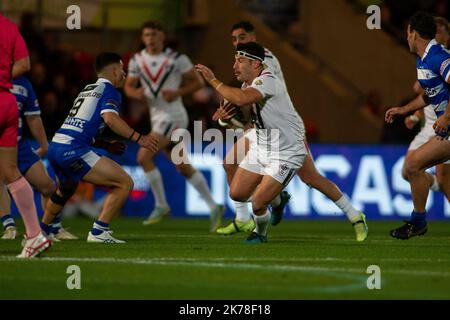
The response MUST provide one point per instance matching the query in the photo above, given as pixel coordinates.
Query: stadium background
(342, 97)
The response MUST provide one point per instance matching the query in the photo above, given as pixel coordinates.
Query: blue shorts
(26, 156)
(71, 162)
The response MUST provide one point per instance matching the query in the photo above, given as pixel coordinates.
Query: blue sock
(419, 219)
(56, 224)
(47, 228)
(99, 227)
(8, 221)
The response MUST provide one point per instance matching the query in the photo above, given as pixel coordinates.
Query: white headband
(248, 55)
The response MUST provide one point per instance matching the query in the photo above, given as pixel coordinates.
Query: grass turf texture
(179, 259)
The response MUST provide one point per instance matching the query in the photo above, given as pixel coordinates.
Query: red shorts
(9, 120)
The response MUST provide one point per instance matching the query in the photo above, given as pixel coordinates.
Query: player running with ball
(279, 150)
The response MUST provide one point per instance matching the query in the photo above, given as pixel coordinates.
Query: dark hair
(424, 24)
(252, 48)
(442, 22)
(247, 26)
(104, 59)
(152, 24)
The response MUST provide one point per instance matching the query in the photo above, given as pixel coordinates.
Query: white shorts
(423, 137)
(250, 135)
(165, 125)
(282, 167)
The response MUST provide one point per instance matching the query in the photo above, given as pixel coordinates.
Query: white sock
(276, 202)
(242, 213)
(156, 184)
(262, 223)
(435, 186)
(198, 181)
(345, 205)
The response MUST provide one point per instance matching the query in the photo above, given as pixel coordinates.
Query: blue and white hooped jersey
(433, 71)
(26, 101)
(84, 121)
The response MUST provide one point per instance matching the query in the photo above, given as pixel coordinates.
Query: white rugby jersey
(276, 111)
(159, 72)
(273, 65)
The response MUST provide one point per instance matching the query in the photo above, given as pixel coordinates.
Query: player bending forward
(71, 154)
(279, 150)
(244, 32)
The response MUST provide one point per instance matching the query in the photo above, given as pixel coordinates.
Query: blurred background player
(29, 160)
(441, 181)
(433, 70)
(244, 32)
(272, 161)
(82, 202)
(71, 150)
(14, 62)
(165, 77)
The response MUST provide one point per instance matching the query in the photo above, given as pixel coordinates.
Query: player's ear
(115, 70)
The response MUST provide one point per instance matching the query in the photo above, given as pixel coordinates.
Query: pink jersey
(12, 48)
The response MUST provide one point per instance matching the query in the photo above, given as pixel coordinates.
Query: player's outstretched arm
(442, 124)
(120, 127)
(38, 132)
(414, 105)
(237, 96)
(115, 146)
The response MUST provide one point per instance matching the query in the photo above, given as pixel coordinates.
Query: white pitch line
(210, 263)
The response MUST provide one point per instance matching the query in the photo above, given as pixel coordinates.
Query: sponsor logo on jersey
(283, 169)
(75, 122)
(444, 65)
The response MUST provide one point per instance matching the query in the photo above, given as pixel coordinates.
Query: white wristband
(222, 123)
(414, 118)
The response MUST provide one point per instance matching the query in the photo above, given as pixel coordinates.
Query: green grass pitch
(179, 259)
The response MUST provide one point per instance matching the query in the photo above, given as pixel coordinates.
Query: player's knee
(310, 178)
(185, 170)
(404, 173)
(65, 192)
(443, 178)
(143, 159)
(48, 189)
(238, 196)
(411, 166)
(11, 173)
(127, 183)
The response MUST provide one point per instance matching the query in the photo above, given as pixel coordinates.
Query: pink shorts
(9, 120)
